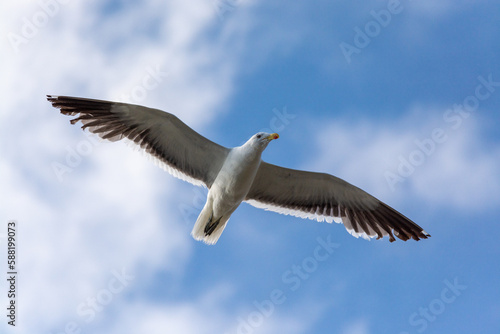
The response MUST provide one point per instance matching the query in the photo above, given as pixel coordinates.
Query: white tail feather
(198, 231)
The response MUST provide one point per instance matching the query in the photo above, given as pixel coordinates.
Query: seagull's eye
(259, 136)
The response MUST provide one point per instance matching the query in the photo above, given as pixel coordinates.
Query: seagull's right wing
(326, 197)
(179, 149)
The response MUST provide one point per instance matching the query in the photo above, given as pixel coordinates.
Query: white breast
(235, 178)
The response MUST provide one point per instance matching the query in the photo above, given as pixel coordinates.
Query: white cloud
(463, 174)
(110, 212)
(460, 172)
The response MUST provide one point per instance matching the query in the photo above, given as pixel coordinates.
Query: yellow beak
(273, 136)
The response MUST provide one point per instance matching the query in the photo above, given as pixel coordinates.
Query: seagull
(238, 174)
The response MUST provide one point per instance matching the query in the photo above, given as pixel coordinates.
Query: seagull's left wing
(325, 197)
(179, 149)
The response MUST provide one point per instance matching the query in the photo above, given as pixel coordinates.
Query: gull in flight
(238, 174)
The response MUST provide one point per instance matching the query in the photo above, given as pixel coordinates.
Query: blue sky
(410, 116)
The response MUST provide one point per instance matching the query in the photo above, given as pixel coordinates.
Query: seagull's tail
(207, 227)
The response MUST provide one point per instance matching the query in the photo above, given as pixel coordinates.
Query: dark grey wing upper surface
(179, 149)
(325, 197)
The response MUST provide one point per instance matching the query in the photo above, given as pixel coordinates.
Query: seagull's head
(261, 139)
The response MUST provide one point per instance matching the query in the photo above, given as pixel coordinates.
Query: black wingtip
(54, 99)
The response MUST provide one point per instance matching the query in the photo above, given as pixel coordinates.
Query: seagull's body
(230, 187)
(238, 174)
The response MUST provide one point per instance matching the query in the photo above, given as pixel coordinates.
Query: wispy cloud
(459, 172)
(76, 233)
